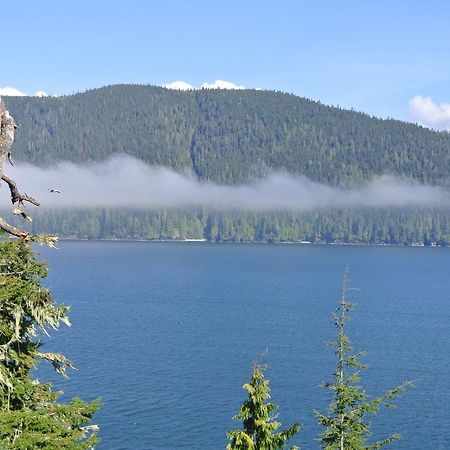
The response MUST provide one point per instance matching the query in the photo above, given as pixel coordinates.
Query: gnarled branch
(16, 196)
(5, 226)
(7, 129)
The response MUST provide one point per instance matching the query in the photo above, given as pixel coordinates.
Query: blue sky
(387, 58)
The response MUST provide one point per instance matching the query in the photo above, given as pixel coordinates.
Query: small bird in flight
(55, 191)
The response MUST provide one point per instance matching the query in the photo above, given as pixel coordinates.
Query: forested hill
(226, 136)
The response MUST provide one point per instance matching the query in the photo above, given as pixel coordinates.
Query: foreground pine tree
(259, 426)
(346, 424)
(30, 416)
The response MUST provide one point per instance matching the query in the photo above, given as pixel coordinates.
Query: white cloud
(179, 85)
(176, 85)
(217, 84)
(12, 92)
(221, 84)
(424, 111)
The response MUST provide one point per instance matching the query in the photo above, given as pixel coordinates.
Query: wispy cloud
(123, 181)
(424, 111)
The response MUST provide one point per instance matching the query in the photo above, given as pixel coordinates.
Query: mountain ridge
(232, 137)
(227, 136)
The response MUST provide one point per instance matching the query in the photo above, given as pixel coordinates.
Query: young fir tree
(30, 416)
(259, 426)
(346, 424)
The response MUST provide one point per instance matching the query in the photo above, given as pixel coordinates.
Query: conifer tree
(259, 426)
(30, 416)
(346, 424)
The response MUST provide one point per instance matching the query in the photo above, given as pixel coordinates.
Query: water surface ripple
(165, 334)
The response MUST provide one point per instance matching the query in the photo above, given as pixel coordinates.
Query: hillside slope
(226, 136)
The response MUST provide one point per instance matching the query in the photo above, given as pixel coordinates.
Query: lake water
(165, 334)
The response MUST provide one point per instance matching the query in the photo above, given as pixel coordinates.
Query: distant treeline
(226, 136)
(407, 226)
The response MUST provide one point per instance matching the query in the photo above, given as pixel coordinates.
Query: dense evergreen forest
(230, 137)
(226, 136)
(407, 226)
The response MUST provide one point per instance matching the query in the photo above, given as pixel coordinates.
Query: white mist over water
(123, 181)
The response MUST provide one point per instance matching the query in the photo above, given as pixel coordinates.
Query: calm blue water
(165, 334)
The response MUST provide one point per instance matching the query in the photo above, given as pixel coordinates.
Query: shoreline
(205, 241)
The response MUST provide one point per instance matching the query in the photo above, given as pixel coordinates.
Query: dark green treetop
(258, 419)
(346, 423)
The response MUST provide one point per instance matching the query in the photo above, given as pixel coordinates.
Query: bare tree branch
(16, 196)
(7, 129)
(5, 226)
